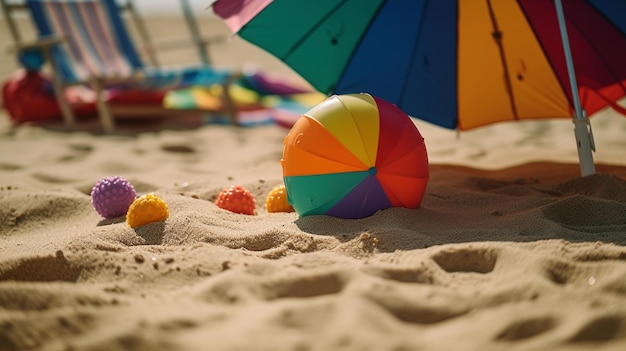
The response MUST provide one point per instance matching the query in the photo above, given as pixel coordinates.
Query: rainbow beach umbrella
(353, 155)
(459, 64)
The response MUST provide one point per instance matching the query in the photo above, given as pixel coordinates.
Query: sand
(510, 250)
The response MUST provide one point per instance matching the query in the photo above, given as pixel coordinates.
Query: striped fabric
(97, 44)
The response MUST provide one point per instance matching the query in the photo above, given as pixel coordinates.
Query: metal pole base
(585, 144)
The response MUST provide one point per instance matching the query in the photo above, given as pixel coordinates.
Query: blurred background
(171, 38)
(165, 7)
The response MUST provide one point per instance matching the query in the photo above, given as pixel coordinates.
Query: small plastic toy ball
(236, 199)
(111, 196)
(148, 208)
(276, 200)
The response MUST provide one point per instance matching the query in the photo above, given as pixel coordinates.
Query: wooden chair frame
(105, 110)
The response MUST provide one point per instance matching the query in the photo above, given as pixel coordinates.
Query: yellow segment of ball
(277, 200)
(148, 208)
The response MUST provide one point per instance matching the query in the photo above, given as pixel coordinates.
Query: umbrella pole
(201, 44)
(582, 127)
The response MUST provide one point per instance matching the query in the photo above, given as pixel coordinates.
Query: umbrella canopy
(456, 64)
(353, 155)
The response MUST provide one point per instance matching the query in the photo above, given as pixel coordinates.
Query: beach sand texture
(510, 250)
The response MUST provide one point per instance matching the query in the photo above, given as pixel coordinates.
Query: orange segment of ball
(276, 200)
(146, 209)
(236, 199)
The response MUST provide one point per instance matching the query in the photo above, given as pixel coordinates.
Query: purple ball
(112, 196)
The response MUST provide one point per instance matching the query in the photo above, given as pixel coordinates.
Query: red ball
(236, 199)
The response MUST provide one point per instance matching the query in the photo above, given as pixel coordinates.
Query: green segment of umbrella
(328, 48)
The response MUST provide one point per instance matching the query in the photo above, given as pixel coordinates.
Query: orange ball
(148, 208)
(276, 200)
(236, 199)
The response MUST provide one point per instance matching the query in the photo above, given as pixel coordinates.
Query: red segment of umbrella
(598, 50)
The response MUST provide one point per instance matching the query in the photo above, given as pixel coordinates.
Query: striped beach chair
(87, 42)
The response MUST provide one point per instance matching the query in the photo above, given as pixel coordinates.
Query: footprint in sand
(603, 328)
(9, 167)
(526, 328)
(466, 260)
(178, 148)
(76, 152)
(587, 214)
(52, 179)
(42, 269)
(235, 288)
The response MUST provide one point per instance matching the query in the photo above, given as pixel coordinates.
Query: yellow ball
(277, 200)
(148, 208)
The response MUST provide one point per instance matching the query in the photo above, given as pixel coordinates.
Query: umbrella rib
(312, 29)
(497, 36)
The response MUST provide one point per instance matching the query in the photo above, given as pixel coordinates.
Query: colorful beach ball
(353, 155)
